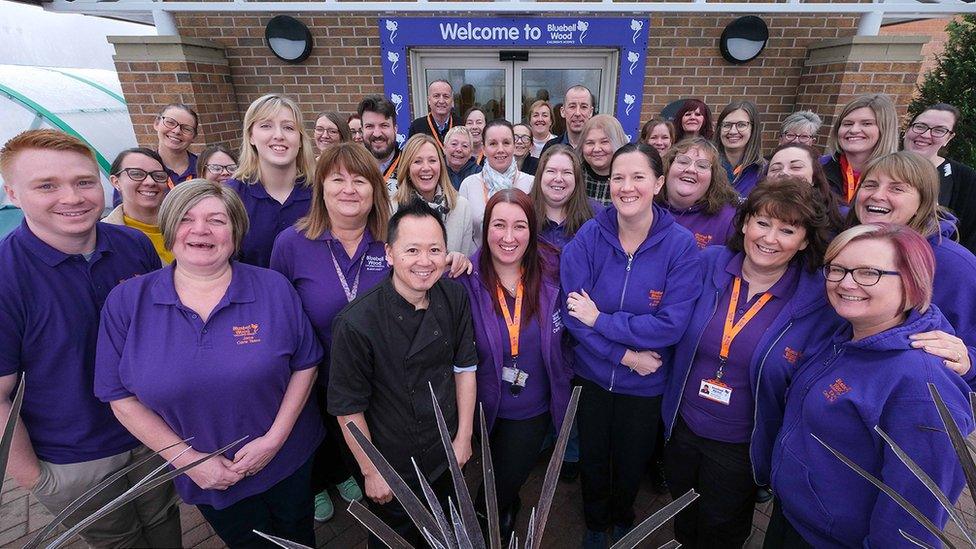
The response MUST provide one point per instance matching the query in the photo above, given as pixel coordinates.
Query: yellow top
(152, 231)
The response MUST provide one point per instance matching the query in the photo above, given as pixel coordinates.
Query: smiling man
(59, 266)
(380, 135)
(412, 330)
(440, 116)
(578, 107)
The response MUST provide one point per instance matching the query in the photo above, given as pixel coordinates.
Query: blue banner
(628, 35)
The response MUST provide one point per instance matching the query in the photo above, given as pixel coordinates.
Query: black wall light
(744, 39)
(289, 39)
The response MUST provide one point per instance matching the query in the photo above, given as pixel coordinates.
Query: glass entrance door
(508, 88)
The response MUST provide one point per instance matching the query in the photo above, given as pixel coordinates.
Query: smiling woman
(865, 129)
(140, 178)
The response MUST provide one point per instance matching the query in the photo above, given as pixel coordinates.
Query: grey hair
(805, 118)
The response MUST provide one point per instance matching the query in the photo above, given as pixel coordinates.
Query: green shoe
(323, 506)
(349, 490)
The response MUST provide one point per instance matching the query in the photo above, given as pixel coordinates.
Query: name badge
(514, 376)
(716, 391)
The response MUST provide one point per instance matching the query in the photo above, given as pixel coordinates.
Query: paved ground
(21, 514)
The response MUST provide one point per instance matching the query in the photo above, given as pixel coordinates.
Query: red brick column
(835, 71)
(156, 70)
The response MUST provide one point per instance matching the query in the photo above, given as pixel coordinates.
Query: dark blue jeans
(284, 510)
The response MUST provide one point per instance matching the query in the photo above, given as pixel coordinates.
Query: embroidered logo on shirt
(702, 240)
(655, 297)
(836, 389)
(374, 263)
(557, 322)
(246, 334)
(791, 355)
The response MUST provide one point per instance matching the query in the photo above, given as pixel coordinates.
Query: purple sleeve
(11, 330)
(282, 256)
(574, 273)
(664, 327)
(916, 427)
(112, 332)
(308, 350)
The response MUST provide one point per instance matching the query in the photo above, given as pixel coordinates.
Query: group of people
(722, 310)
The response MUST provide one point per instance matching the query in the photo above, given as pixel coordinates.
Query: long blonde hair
(886, 116)
(406, 187)
(263, 108)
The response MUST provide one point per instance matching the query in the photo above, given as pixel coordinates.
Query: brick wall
(934, 29)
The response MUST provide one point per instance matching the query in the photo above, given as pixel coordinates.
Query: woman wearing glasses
(879, 280)
(697, 192)
(139, 177)
(800, 127)
(739, 143)
(927, 135)
(523, 149)
(217, 164)
(902, 188)
(330, 129)
(523, 379)
(176, 126)
(762, 307)
(355, 127)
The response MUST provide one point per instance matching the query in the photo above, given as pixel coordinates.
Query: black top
(957, 191)
(558, 140)
(420, 126)
(470, 168)
(831, 169)
(384, 353)
(529, 165)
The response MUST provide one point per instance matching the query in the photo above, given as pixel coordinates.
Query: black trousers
(515, 447)
(617, 434)
(284, 510)
(780, 534)
(721, 473)
(396, 517)
(334, 462)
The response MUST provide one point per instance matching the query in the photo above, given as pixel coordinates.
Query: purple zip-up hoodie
(645, 299)
(748, 178)
(954, 291)
(803, 326)
(708, 229)
(555, 353)
(840, 395)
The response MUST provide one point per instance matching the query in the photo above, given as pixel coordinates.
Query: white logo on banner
(400, 139)
(636, 26)
(396, 99)
(394, 57)
(392, 27)
(633, 57)
(583, 26)
(629, 100)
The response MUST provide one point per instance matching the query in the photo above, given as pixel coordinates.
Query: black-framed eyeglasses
(217, 169)
(740, 125)
(319, 130)
(798, 137)
(937, 131)
(137, 174)
(172, 124)
(863, 276)
(523, 138)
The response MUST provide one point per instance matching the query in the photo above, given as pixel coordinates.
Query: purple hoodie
(954, 291)
(708, 229)
(491, 346)
(840, 395)
(645, 299)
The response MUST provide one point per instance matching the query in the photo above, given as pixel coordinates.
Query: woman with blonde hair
(276, 160)
(601, 136)
(866, 129)
(457, 155)
(540, 122)
(422, 174)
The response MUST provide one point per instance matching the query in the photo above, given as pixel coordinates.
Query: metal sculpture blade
(8, 430)
(914, 540)
(491, 501)
(447, 532)
(653, 522)
(552, 471)
(463, 541)
(281, 542)
(379, 528)
(958, 441)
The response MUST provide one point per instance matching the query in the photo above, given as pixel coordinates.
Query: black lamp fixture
(289, 39)
(744, 39)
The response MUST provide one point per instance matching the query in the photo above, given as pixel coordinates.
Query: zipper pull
(630, 261)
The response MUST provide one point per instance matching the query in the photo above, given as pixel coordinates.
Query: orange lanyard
(729, 331)
(391, 169)
(513, 325)
(433, 128)
(736, 171)
(850, 180)
(481, 156)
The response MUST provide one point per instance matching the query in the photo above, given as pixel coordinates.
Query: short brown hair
(720, 192)
(49, 140)
(188, 194)
(357, 160)
(793, 200)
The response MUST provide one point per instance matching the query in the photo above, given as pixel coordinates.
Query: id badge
(716, 391)
(514, 376)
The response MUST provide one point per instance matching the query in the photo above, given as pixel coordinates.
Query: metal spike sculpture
(963, 450)
(460, 530)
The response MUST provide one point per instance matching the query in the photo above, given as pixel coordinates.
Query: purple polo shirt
(268, 217)
(188, 174)
(218, 380)
(534, 398)
(555, 233)
(733, 422)
(308, 265)
(49, 304)
(709, 229)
